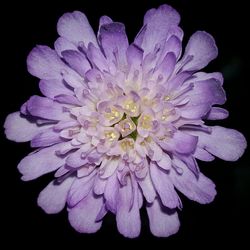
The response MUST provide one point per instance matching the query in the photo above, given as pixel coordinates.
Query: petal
(203, 155)
(62, 44)
(217, 114)
(53, 198)
(54, 87)
(201, 76)
(172, 45)
(110, 167)
(227, 144)
(80, 189)
(46, 108)
(99, 186)
(164, 187)
(147, 188)
(46, 138)
(77, 61)
(155, 151)
(181, 143)
(83, 216)
(199, 189)
(191, 163)
(134, 56)
(203, 95)
(128, 219)
(96, 56)
(20, 129)
(114, 42)
(167, 66)
(158, 23)
(44, 63)
(67, 99)
(202, 48)
(104, 20)
(165, 162)
(163, 222)
(41, 162)
(111, 192)
(75, 159)
(76, 28)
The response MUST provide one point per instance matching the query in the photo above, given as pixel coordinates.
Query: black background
(25, 24)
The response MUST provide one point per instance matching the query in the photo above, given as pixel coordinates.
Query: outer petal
(80, 189)
(181, 143)
(173, 45)
(164, 187)
(147, 188)
(41, 162)
(77, 61)
(158, 23)
(201, 49)
(201, 190)
(20, 129)
(96, 56)
(165, 162)
(111, 192)
(166, 68)
(62, 44)
(163, 221)
(217, 114)
(76, 28)
(53, 198)
(75, 160)
(203, 155)
(227, 144)
(44, 63)
(83, 216)
(128, 219)
(114, 42)
(54, 87)
(46, 108)
(203, 95)
(46, 138)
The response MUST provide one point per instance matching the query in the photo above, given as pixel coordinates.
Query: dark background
(26, 24)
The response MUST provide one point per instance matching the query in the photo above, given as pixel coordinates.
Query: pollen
(114, 114)
(131, 108)
(166, 98)
(127, 144)
(146, 122)
(110, 135)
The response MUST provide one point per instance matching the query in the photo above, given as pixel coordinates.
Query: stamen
(184, 91)
(87, 94)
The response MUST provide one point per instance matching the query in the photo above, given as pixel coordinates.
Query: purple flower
(120, 122)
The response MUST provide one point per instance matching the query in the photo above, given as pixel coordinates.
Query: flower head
(120, 123)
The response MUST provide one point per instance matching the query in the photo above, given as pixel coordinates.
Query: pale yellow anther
(146, 122)
(127, 144)
(167, 98)
(161, 138)
(110, 135)
(164, 117)
(148, 139)
(131, 108)
(115, 114)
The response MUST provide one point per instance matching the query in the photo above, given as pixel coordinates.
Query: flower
(120, 123)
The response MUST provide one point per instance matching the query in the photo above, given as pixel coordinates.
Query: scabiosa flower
(120, 123)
